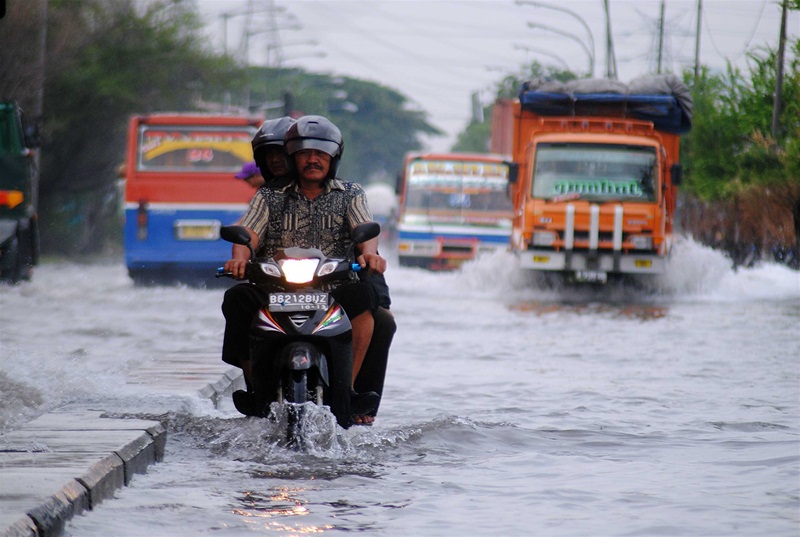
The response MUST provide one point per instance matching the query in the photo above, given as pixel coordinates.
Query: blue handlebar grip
(355, 267)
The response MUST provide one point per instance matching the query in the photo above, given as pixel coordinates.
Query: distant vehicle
(180, 190)
(19, 190)
(453, 207)
(598, 175)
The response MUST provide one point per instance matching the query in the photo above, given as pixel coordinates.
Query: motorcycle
(298, 338)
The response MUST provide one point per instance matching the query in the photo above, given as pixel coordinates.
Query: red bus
(180, 189)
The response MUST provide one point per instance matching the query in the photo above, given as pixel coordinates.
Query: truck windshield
(594, 172)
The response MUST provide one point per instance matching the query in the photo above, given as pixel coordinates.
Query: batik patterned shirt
(285, 218)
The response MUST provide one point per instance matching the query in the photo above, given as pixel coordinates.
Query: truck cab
(596, 189)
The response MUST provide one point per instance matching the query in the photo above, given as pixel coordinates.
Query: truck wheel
(10, 261)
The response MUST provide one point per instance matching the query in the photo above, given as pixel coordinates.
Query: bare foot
(364, 420)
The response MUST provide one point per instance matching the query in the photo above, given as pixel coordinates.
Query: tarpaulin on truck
(662, 99)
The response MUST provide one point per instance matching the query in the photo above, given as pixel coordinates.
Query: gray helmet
(271, 133)
(316, 132)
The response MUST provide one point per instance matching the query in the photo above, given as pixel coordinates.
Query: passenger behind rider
(316, 146)
(251, 175)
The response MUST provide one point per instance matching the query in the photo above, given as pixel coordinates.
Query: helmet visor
(326, 146)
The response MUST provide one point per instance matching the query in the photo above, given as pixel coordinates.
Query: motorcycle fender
(303, 356)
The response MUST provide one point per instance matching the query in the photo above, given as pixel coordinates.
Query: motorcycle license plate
(302, 301)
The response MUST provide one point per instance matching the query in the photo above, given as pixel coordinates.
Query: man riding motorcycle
(315, 210)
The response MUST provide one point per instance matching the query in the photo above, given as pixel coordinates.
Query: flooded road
(509, 410)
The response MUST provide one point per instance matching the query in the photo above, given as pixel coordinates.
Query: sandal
(362, 404)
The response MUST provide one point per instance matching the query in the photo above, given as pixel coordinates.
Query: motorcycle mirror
(237, 235)
(366, 231)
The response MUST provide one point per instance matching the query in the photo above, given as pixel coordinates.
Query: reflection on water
(281, 502)
(644, 312)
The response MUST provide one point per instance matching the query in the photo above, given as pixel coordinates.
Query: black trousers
(372, 374)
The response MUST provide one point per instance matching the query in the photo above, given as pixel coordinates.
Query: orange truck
(598, 170)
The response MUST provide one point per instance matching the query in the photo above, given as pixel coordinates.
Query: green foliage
(731, 145)
(110, 59)
(106, 61)
(475, 137)
(376, 123)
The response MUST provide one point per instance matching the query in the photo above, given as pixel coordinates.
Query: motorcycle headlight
(270, 270)
(299, 270)
(327, 268)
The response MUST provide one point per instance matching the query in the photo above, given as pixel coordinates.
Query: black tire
(295, 390)
(28, 256)
(295, 387)
(10, 261)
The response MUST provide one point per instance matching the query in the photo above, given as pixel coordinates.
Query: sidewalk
(67, 462)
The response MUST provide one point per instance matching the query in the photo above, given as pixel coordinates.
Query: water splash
(693, 270)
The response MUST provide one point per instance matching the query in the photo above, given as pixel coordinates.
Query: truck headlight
(544, 238)
(642, 242)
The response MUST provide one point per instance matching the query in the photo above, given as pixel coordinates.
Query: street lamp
(518, 46)
(589, 53)
(563, 10)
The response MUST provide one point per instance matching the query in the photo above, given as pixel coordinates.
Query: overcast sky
(438, 52)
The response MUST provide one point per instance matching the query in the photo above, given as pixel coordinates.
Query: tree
(377, 125)
(109, 59)
(105, 61)
(730, 145)
(733, 163)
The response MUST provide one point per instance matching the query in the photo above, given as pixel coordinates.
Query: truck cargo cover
(662, 99)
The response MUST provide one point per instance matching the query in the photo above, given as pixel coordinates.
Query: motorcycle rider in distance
(315, 210)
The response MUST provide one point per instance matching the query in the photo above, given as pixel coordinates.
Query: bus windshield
(194, 149)
(594, 172)
(457, 187)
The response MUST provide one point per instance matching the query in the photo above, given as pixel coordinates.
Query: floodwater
(509, 410)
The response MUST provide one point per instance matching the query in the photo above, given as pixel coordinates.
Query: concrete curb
(52, 470)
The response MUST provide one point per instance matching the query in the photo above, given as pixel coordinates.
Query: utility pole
(39, 107)
(660, 38)
(776, 106)
(225, 17)
(697, 40)
(611, 57)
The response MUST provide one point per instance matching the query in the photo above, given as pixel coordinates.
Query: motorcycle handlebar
(221, 273)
